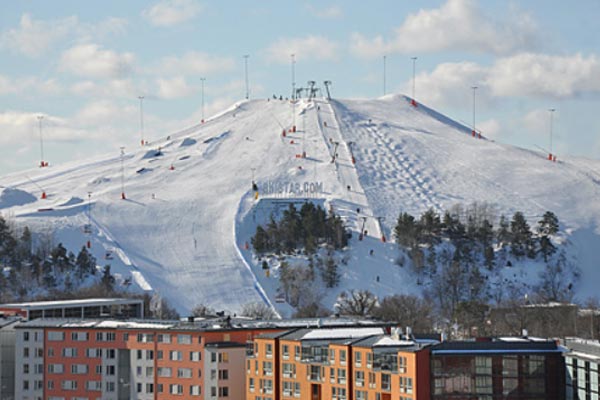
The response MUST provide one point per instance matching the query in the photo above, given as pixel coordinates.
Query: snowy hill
(190, 210)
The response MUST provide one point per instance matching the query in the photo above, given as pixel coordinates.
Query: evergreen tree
(430, 227)
(85, 263)
(60, 258)
(331, 276)
(489, 257)
(547, 249)
(107, 281)
(503, 234)
(548, 225)
(260, 241)
(521, 238)
(485, 233)
(25, 242)
(406, 230)
(8, 243)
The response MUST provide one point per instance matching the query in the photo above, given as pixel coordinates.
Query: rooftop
(500, 345)
(71, 303)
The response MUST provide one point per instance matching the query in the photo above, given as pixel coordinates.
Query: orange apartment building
(107, 359)
(89, 360)
(338, 364)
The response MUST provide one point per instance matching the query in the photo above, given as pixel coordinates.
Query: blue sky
(83, 64)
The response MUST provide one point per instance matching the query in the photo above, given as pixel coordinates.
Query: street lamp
(413, 101)
(141, 118)
(473, 132)
(42, 162)
(550, 155)
(246, 75)
(122, 174)
(202, 81)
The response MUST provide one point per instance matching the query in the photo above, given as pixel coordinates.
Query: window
(69, 352)
(483, 365)
(159, 354)
(287, 388)
(535, 365)
(55, 336)
(69, 385)
(25, 385)
(159, 388)
(251, 384)
(164, 338)
(285, 351)
(269, 350)
(195, 356)
(149, 388)
(267, 368)
(26, 336)
(149, 371)
(38, 369)
(406, 385)
(224, 357)
(184, 372)
(358, 358)
(26, 352)
(93, 385)
(360, 379)
(332, 375)
(195, 390)
(176, 389)
(110, 353)
(79, 369)
(149, 354)
(93, 353)
(297, 353)
(145, 337)
(343, 357)
(296, 389)
(341, 376)
(139, 354)
(175, 355)
(361, 395)
(25, 368)
(51, 352)
(79, 336)
(331, 356)
(402, 365)
(224, 391)
(99, 369)
(483, 384)
(386, 382)
(164, 372)
(110, 370)
(139, 387)
(223, 374)
(110, 336)
(51, 385)
(369, 360)
(184, 339)
(288, 370)
(99, 337)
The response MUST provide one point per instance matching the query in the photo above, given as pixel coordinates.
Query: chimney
(524, 333)
(396, 333)
(408, 332)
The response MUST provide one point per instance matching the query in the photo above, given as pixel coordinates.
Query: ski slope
(190, 210)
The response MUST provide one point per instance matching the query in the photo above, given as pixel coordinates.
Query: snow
(10, 197)
(182, 231)
(388, 341)
(342, 333)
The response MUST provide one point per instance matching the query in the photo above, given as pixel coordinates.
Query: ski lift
(87, 228)
(280, 297)
(108, 255)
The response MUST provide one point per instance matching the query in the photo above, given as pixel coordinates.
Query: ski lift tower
(311, 89)
(327, 84)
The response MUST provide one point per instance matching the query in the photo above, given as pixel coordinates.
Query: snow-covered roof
(341, 333)
(71, 303)
(389, 341)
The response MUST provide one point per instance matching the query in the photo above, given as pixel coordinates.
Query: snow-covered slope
(182, 231)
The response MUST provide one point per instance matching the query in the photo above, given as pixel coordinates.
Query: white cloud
(25, 86)
(448, 84)
(457, 25)
(89, 60)
(171, 12)
(173, 88)
(307, 48)
(20, 126)
(526, 75)
(545, 75)
(114, 88)
(330, 12)
(537, 122)
(195, 63)
(34, 37)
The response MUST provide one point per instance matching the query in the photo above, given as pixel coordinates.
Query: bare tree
(258, 311)
(357, 302)
(406, 310)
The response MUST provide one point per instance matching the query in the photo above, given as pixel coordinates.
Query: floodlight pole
(42, 163)
(202, 82)
(473, 133)
(384, 75)
(551, 110)
(141, 118)
(293, 57)
(122, 174)
(246, 75)
(414, 60)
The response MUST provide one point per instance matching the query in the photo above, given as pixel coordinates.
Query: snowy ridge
(189, 211)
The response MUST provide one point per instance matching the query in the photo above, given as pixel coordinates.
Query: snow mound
(152, 154)
(11, 197)
(71, 202)
(188, 142)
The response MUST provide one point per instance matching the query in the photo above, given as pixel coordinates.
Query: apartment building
(7, 357)
(77, 308)
(582, 369)
(338, 364)
(503, 368)
(89, 359)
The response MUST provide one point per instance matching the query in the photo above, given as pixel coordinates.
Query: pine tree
(521, 242)
(331, 276)
(406, 230)
(430, 227)
(489, 257)
(107, 281)
(503, 234)
(548, 225)
(85, 264)
(260, 240)
(547, 249)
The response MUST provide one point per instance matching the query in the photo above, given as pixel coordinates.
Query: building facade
(582, 369)
(513, 368)
(337, 364)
